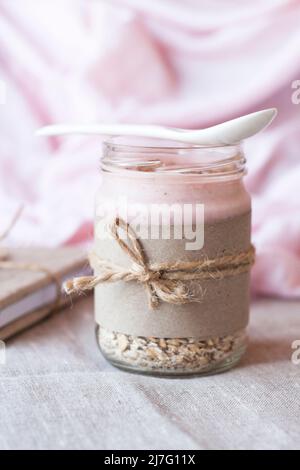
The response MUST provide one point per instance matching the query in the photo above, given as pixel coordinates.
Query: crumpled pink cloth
(185, 64)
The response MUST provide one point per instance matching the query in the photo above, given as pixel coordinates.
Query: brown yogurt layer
(223, 305)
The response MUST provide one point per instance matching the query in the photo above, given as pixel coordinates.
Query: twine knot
(164, 282)
(144, 274)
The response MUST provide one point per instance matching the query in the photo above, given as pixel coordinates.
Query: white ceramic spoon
(227, 133)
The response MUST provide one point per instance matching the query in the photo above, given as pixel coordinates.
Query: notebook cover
(18, 287)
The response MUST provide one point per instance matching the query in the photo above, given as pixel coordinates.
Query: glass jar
(199, 210)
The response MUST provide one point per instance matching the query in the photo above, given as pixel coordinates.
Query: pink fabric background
(186, 64)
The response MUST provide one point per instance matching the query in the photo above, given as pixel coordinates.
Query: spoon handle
(227, 133)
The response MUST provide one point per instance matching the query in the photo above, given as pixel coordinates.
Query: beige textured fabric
(56, 391)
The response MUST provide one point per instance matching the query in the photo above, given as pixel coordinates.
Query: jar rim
(176, 159)
(162, 144)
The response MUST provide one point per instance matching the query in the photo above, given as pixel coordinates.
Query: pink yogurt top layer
(221, 198)
(154, 172)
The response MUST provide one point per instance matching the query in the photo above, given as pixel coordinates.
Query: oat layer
(167, 355)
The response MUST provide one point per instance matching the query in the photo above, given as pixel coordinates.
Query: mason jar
(172, 234)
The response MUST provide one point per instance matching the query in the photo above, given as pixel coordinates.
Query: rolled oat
(169, 354)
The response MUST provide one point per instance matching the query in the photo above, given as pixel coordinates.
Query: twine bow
(162, 281)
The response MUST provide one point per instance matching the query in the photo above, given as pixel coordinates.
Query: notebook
(27, 297)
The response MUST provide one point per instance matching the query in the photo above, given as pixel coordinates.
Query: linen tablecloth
(57, 392)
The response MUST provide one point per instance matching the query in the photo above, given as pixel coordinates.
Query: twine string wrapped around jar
(162, 281)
